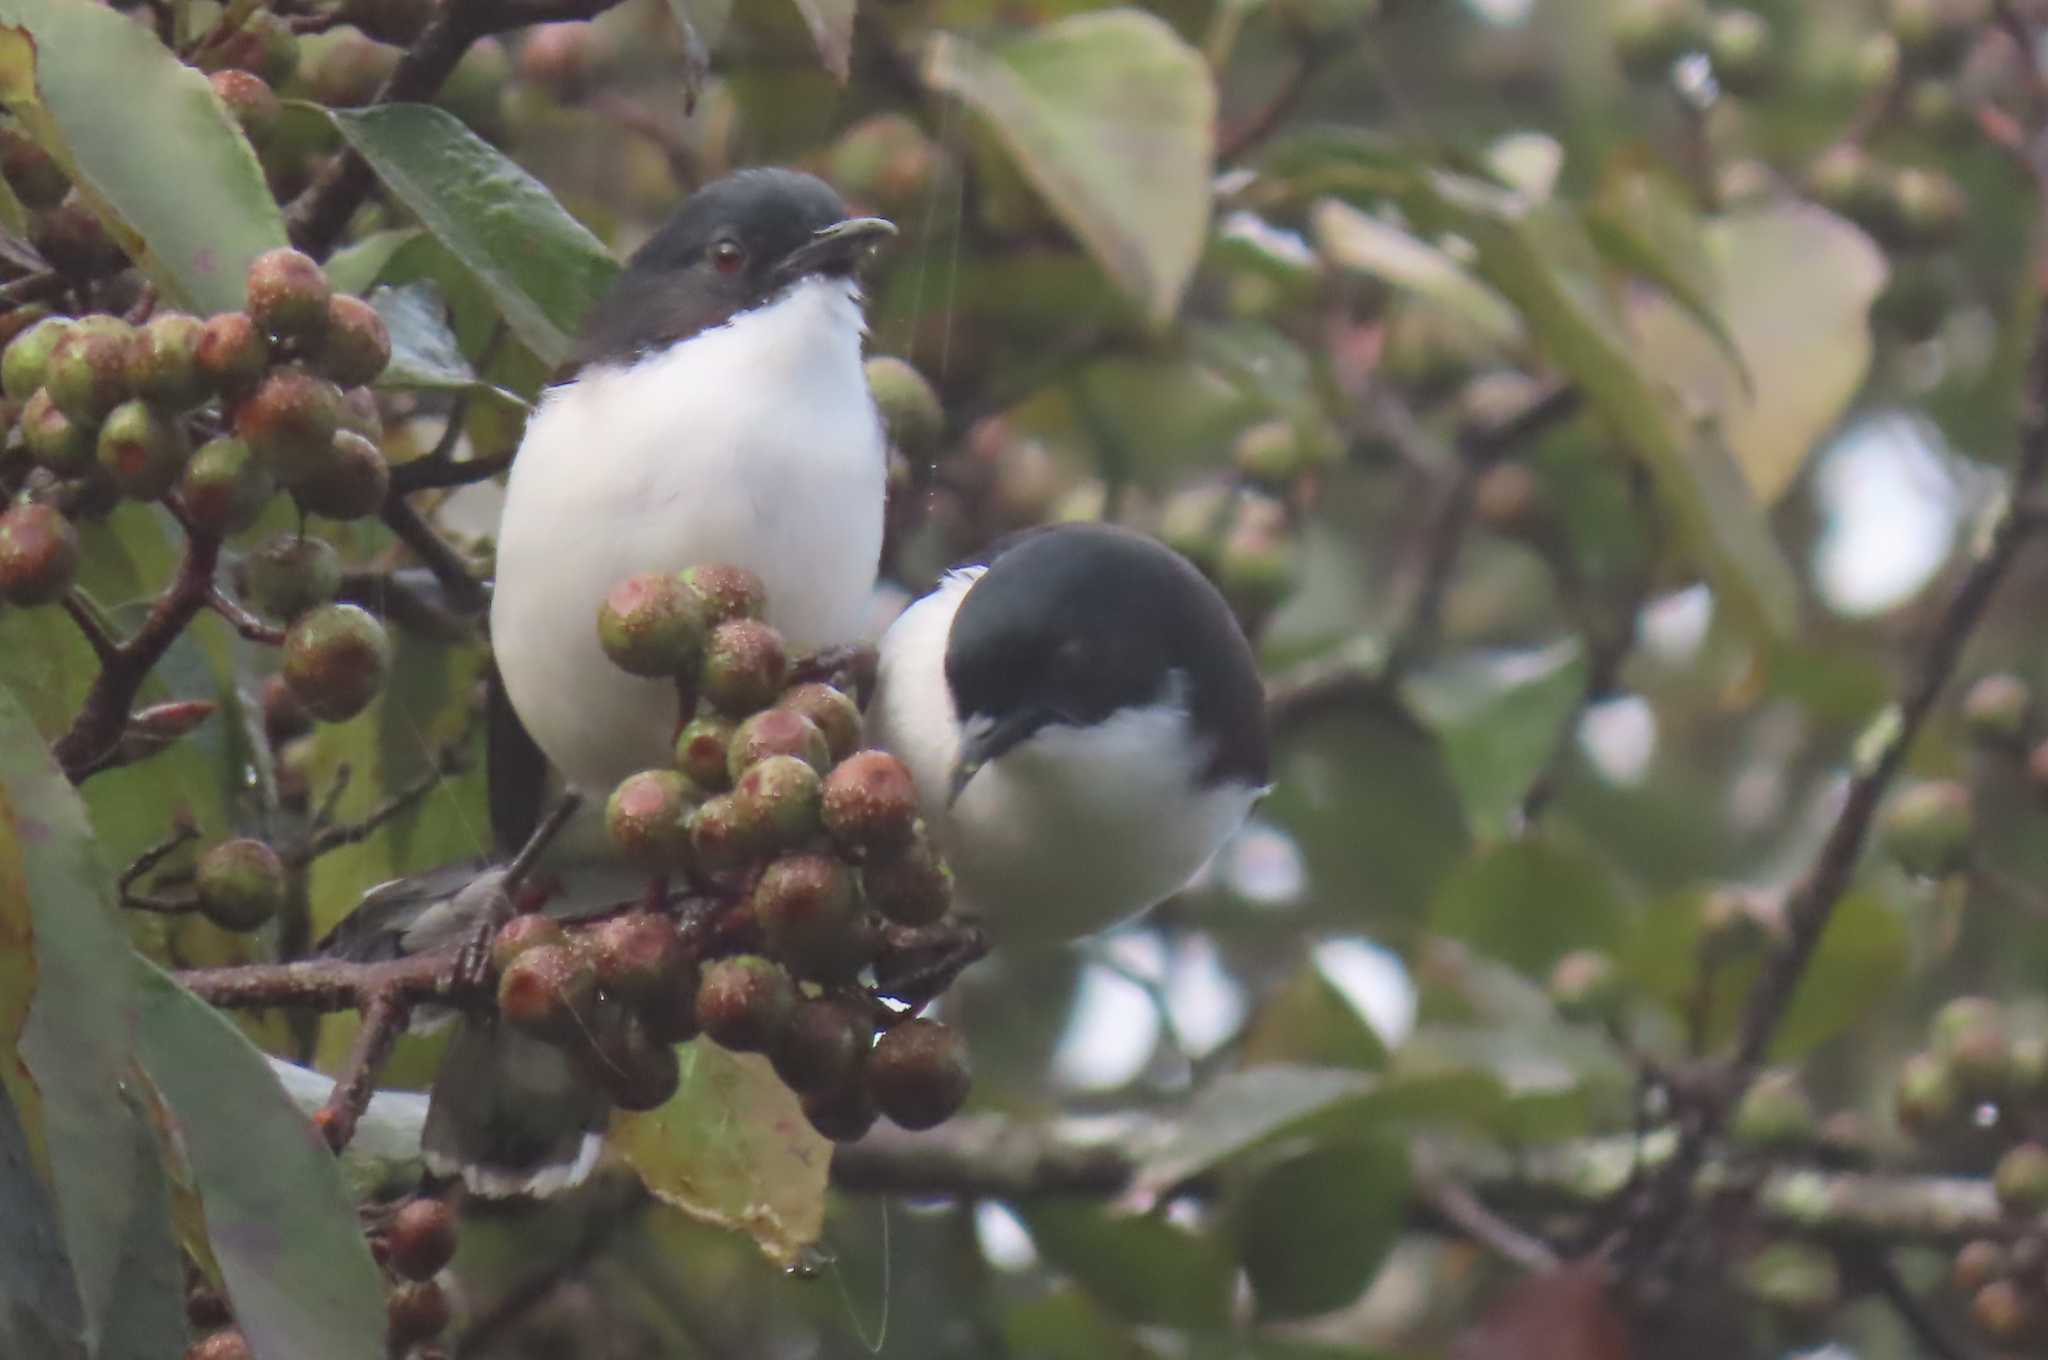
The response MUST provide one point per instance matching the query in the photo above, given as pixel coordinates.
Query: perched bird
(715, 410)
(1084, 722)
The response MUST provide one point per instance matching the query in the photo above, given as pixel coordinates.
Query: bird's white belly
(614, 479)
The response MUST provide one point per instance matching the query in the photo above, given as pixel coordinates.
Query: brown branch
(103, 716)
(385, 1014)
(334, 984)
(450, 568)
(432, 472)
(1311, 57)
(184, 833)
(88, 620)
(1875, 1266)
(244, 622)
(451, 759)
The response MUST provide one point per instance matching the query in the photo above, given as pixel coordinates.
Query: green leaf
(143, 137)
(831, 25)
(1642, 219)
(732, 1147)
(359, 265)
(1356, 241)
(1307, 1021)
(1499, 716)
(1141, 1268)
(1528, 902)
(543, 268)
(67, 1075)
(424, 351)
(39, 1309)
(1313, 1230)
(1111, 117)
(1239, 1111)
(279, 1216)
(1065, 1324)
(1796, 288)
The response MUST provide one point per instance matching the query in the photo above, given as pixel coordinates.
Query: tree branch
(384, 1019)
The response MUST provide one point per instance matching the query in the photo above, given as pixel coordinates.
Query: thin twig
(244, 622)
(436, 471)
(452, 759)
(385, 1014)
(1467, 1213)
(1876, 1266)
(436, 554)
(88, 620)
(184, 833)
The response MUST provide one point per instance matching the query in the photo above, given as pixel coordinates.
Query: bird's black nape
(727, 249)
(1071, 623)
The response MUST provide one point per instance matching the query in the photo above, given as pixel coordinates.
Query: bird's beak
(987, 741)
(836, 249)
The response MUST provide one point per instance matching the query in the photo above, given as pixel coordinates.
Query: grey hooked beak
(836, 249)
(985, 741)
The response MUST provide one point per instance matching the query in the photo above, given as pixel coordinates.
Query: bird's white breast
(756, 443)
(1070, 831)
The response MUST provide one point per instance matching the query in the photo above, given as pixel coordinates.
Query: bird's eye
(728, 256)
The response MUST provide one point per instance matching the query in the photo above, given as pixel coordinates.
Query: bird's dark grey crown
(672, 287)
(1074, 622)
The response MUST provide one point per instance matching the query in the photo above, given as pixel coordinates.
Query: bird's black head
(733, 245)
(1072, 623)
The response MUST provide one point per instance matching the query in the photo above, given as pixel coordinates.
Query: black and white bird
(1084, 722)
(716, 409)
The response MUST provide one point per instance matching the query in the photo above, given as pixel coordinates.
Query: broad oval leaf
(1528, 902)
(143, 137)
(1111, 116)
(1358, 241)
(1144, 1269)
(543, 268)
(279, 1216)
(732, 1147)
(1313, 1230)
(1499, 717)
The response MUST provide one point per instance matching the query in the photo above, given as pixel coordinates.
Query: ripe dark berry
(671, 1015)
(250, 102)
(528, 930)
(870, 802)
(652, 625)
(549, 991)
(241, 884)
(821, 1049)
(648, 818)
(288, 295)
(223, 487)
(142, 449)
(701, 750)
(831, 712)
(810, 916)
(744, 1003)
(745, 666)
(728, 592)
(288, 574)
(357, 345)
(638, 956)
(223, 1345)
(919, 1073)
(417, 1311)
(290, 420)
(38, 554)
(636, 1070)
(421, 1238)
(2005, 1311)
(335, 658)
(776, 732)
(233, 353)
(909, 885)
(352, 484)
(844, 1114)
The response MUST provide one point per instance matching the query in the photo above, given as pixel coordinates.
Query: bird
(1084, 722)
(714, 409)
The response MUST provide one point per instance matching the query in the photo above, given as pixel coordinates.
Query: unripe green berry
(744, 1003)
(652, 625)
(1272, 453)
(1928, 826)
(784, 796)
(1795, 1278)
(725, 836)
(288, 574)
(1996, 708)
(1651, 34)
(2021, 1179)
(241, 884)
(549, 991)
(1927, 1099)
(910, 408)
(1928, 208)
(335, 659)
(353, 484)
(745, 666)
(163, 362)
(728, 592)
(87, 370)
(832, 712)
(919, 1074)
(911, 885)
(701, 750)
(54, 440)
(1743, 51)
(648, 818)
(27, 356)
(142, 449)
(776, 732)
(223, 487)
(288, 295)
(1775, 1112)
(38, 554)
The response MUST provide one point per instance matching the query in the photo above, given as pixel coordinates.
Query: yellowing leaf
(1111, 117)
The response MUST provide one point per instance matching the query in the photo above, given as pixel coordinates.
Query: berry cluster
(807, 849)
(212, 417)
(413, 1242)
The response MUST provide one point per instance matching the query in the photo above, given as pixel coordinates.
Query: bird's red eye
(727, 257)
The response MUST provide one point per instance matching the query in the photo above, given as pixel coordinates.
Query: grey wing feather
(511, 1115)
